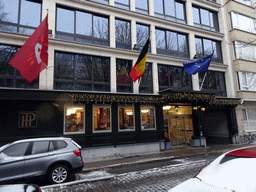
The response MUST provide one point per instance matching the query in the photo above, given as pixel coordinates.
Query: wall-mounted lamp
(166, 107)
(202, 108)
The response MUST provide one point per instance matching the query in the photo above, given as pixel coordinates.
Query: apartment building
(86, 92)
(242, 42)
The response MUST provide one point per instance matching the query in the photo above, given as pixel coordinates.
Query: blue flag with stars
(198, 66)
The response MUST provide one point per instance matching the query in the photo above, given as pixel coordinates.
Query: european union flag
(200, 65)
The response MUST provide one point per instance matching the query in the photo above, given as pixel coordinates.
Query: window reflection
(81, 26)
(123, 34)
(245, 51)
(173, 10)
(9, 76)
(171, 43)
(243, 22)
(141, 6)
(101, 119)
(21, 17)
(74, 119)
(122, 4)
(126, 118)
(142, 34)
(147, 118)
(173, 77)
(247, 81)
(146, 84)
(123, 79)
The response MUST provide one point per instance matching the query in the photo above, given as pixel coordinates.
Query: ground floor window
(126, 118)
(74, 119)
(249, 118)
(148, 118)
(101, 118)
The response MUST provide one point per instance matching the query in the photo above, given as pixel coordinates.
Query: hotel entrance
(178, 124)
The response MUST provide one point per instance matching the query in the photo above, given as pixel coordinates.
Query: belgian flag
(139, 67)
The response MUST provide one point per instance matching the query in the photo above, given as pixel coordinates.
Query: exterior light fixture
(144, 111)
(202, 108)
(166, 107)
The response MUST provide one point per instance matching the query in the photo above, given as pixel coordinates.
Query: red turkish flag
(32, 57)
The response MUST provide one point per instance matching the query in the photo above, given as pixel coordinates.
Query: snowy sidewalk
(176, 152)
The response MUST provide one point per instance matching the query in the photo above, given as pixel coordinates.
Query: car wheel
(59, 174)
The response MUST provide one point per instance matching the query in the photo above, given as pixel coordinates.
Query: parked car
(56, 158)
(233, 171)
(20, 188)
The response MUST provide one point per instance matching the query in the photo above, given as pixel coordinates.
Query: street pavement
(183, 163)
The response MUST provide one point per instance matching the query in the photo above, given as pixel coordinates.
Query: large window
(171, 43)
(245, 51)
(172, 10)
(148, 118)
(9, 76)
(81, 72)
(142, 34)
(246, 2)
(126, 118)
(123, 34)
(146, 84)
(205, 47)
(214, 82)
(124, 4)
(21, 16)
(74, 25)
(173, 77)
(249, 118)
(123, 79)
(101, 118)
(141, 6)
(247, 81)
(243, 22)
(74, 119)
(205, 19)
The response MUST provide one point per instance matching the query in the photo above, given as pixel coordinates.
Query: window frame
(241, 49)
(128, 86)
(110, 118)
(204, 26)
(74, 36)
(122, 5)
(246, 80)
(123, 45)
(64, 119)
(119, 127)
(143, 11)
(147, 107)
(145, 84)
(247, 121)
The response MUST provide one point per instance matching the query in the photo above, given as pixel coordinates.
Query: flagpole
(203, 81)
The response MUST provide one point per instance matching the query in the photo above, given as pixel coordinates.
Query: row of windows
(102, 118)
(92, 73)
(243, 22)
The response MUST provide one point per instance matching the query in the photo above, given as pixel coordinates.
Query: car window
(61, 144)
(16, 150)
(40, 147)
(51, 147)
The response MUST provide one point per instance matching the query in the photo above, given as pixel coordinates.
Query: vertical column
(133, 33)
(132, 5)
(46, 77)
(155, 78)
(112, 2)
(151, 7)
(113, 74)
(189, 13)
(112, 31)
(153, 39)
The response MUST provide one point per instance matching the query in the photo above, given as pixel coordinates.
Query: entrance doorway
(179, 124)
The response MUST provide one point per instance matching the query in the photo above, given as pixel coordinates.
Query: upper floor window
(141, 6)
(81, 72)
(173, 10)
(146, 84)
(123, 79)
(205, 19)
(9, 76)
(124, 4)
(21, 16)
(173, 77)
(142, 34)
(246, 2)
(249, 118)
(247, 81)
(245, 51)
(205, 47)
(243, 22)
(171, 43)
(81, 26)
(123, 34)
(214, 82)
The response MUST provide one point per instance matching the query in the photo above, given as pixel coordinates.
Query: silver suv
(56, 158)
